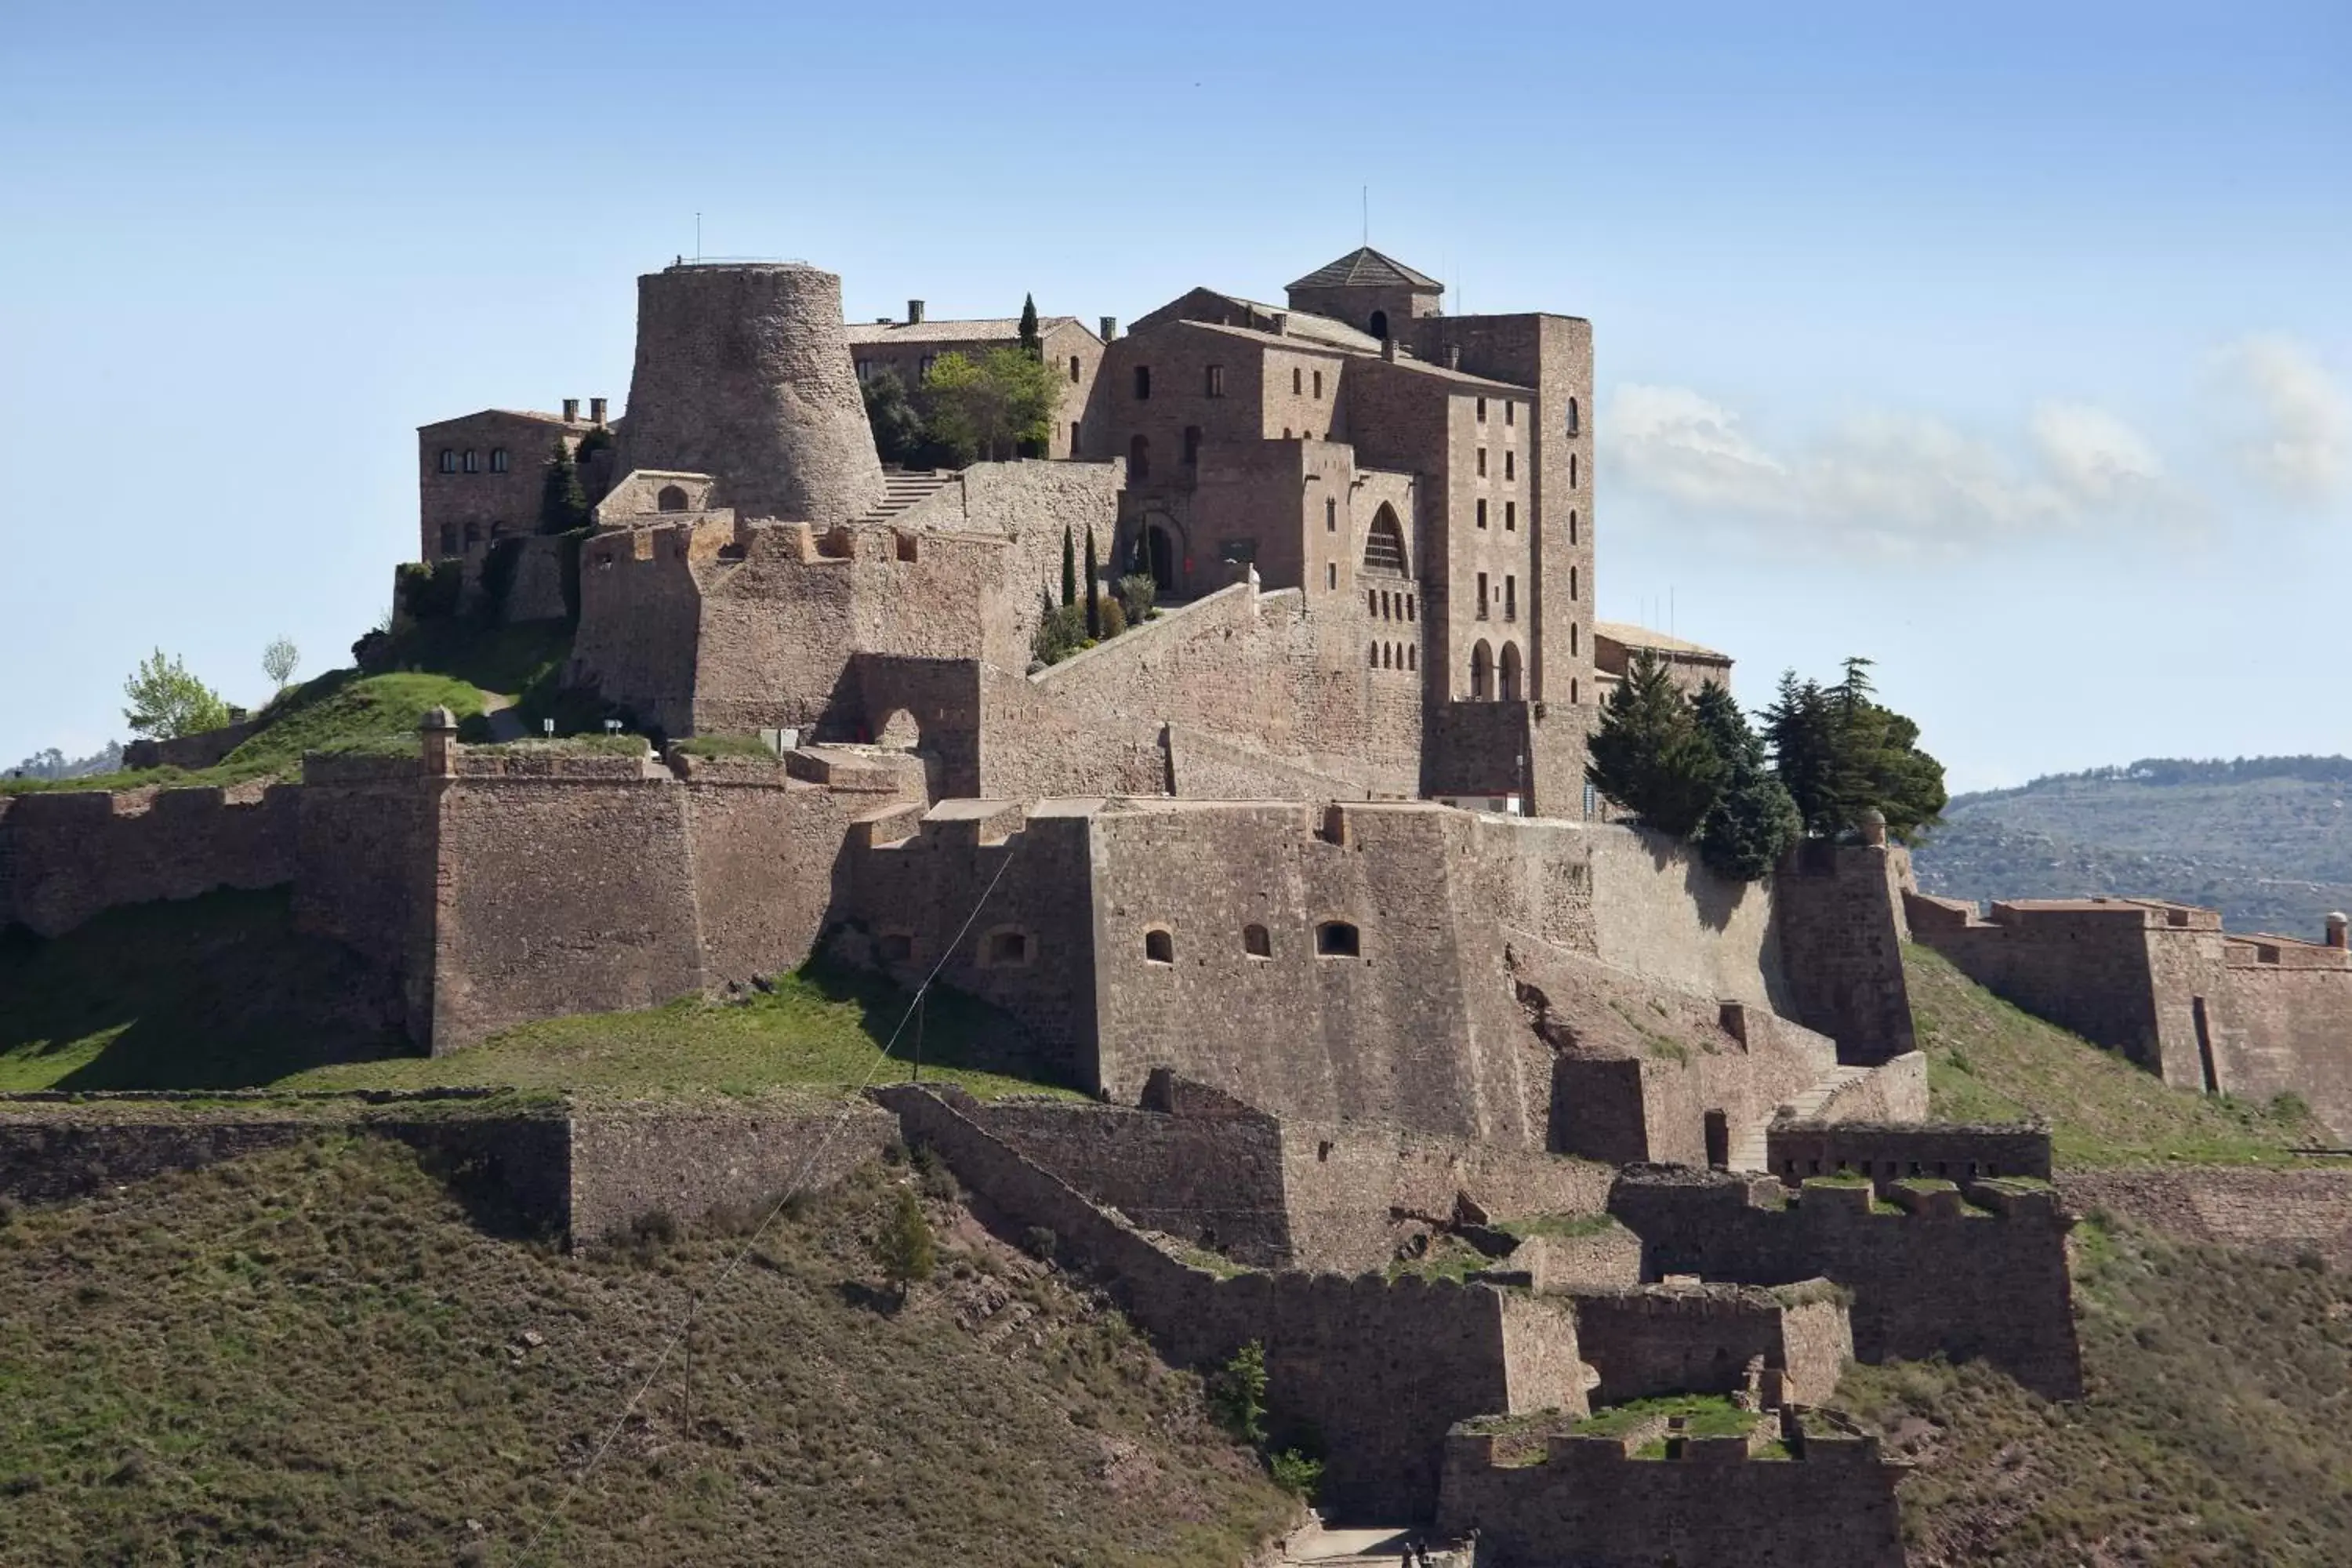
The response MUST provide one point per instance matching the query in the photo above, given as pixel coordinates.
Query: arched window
(1379, 325)
(498, 459)
(1511, 672)
(1371, 602)
(1297, 380)
(1142, 382)
(672, 497)
(1572, 416)
(1139, 457)
(1571, 639)
(1074, 367)
(1384, 543)
(448, 462)
(1337, 939)
(1411, 660)
(1372, 656)
(1255, 942)
(1408, 607)
(1159, 947)
(1482, 672)
(473, 461)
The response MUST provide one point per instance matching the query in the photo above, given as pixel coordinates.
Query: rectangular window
(1482, 411)
(1482, 514)
(1482, 596)
(1510, 598)
(1216, 381)
(1511, 465)
(1330, 576)
(1511, 516)
(1331, 514)
(1073, 368)
(1319, 384)
(1482, 462)
(1293, 381)
(1510, 412)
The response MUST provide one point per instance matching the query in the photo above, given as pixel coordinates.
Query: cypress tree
(1069, 568)
(1094, 590)
(1753, 821)
(1031, 343)
(562, 504)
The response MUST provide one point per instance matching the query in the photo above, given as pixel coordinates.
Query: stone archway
(1161, 555)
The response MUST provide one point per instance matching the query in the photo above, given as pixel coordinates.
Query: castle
(1299, 878)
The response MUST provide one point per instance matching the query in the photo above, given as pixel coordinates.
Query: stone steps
(1748, 1150)
(903, 488)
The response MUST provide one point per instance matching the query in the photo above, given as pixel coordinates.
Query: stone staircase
(1747, 1150)
(902, 487)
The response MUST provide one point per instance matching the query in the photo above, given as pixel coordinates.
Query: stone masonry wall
(2283, 1212)
(2286, 1029)
(1889, 1153)
(68, 855)
(1379, 1372)
(1841, 931)
(685, 1164)
(1698, 1339)
(1941, 1282)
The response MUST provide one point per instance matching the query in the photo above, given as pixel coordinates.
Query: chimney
(1389, 349)
(1453, 356)
(914, 312)
(572, 411)
(1109, 328)
(2336, 930)
(595, 411)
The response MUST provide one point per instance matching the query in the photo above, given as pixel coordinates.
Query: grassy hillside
(221, 992)
(314, 1356)
(1988, 1061)
(2268, 841)
(2213, 1432)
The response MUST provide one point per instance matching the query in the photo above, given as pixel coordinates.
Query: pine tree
(1840, 752)
(1031, 343)
(1069, 568)
(1094, 590)
(1649, 755)
(905, 1248)
(562, 504)
(1753, 821)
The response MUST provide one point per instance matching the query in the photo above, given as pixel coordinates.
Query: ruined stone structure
(2163, 984)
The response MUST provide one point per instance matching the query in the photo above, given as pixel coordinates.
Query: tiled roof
(583, 424)
(1004, 330)
(1631, 636)
(1369, 351)
(1364, 268)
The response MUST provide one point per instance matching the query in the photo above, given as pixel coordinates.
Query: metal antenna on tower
(1367, 215)
(698, 236)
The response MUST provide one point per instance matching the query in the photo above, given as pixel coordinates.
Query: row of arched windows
(1395, 655)
(1490, 678)
(469, 461)
(1333, 939)
(1388, 604)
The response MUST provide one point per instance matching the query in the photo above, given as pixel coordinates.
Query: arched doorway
(1511, 693)
(1379, 325)
(1482, 672)
(1159, 555)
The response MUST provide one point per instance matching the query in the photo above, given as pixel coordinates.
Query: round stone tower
(743, 374)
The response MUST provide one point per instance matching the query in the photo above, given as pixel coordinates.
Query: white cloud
(1892, 483)
(2303, 449)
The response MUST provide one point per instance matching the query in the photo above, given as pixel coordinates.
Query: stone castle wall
(1940, 1281)
(1650, 1340)
(625, 1164)
(2281, 1212)
(2288, 1030)
(1841, 931)
(1888, 1154)
(68, 855)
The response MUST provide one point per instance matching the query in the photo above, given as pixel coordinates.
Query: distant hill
(2265, 840)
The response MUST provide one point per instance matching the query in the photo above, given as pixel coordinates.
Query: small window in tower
(473, 461)
(1296, 377)
(1571, 639)
(1159, 947)
(1142, 382)
(448, 462)
(1571, 583)
(1571, 470)
(1005, 950)
(1216, 387)
(1371, 602)
(1074, 437)
(1510, 412)
(1409, 661)
(1510, 597)
(1337, 939)
(1482, 596)
(1372, 656)
(1482, 514)
(1510, 516)
(448, 538)
(1572, 416)
(1331, 514)
(1074, 367)
(1571, 528)
(1482, 411)
(1256, 943)
(1319, 384)
(1408, 607)
(1511, 465)
(1330, 576)
(1482, 462)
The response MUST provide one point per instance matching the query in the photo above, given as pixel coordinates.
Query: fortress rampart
(69, 855)
(1890, 1154)
(1842, 932)
(1654, 1340)
(1949, 1277)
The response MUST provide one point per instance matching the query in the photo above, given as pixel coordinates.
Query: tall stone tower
(743, 374)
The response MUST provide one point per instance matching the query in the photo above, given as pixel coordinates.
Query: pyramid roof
(1364, 268)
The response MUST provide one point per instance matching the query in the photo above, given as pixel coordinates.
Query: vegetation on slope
(222, 992)
(2213, 1431)
(315, 1355)
(1988, 1061)
(2265, 840)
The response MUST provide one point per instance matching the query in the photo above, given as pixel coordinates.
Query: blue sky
(2009, 345)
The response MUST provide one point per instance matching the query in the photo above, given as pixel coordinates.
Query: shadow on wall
(215, 992)
(952, 1029)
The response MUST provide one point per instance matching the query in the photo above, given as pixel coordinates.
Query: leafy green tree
(1069, 568)
(1840, 752)
(166, 700)
(899, 436)
(1753, 820)
(1094, 589)
(905, 1248)
(1032, 344)
(279, 660)
(1237, 1393)
(562, 504)
(1649, 756)
(987, 407)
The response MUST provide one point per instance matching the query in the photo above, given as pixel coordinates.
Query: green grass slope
(316, 1357)
(2220, 1387)
(1988, 1061)
(222, 992)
